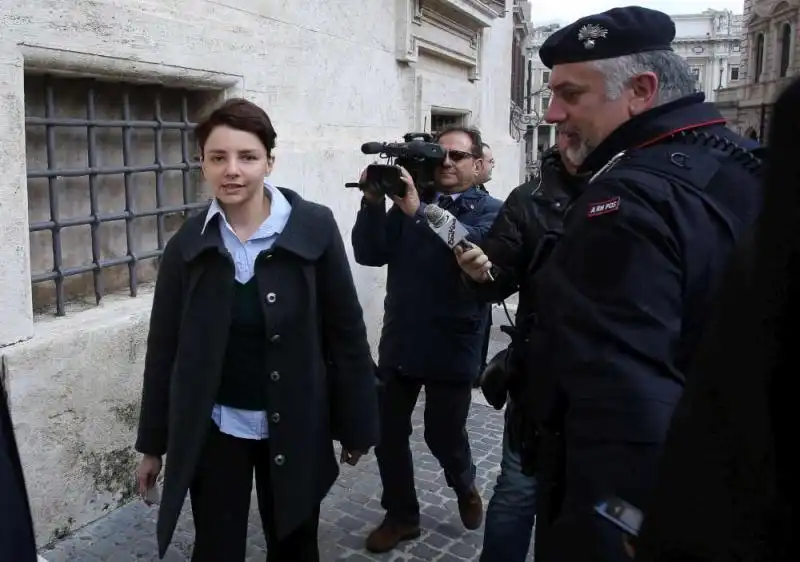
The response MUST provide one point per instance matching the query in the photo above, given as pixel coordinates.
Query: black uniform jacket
(320, 377)
(622, 302)
(623, 298)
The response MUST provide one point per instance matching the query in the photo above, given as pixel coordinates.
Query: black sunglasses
(457, 155)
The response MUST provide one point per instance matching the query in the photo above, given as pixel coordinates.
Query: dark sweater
(244, 370)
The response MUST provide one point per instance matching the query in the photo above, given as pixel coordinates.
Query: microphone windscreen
(372, 148)
(434, 215)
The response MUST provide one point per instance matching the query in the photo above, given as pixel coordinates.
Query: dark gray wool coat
(321, 376)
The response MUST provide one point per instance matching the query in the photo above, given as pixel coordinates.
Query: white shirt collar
(276, 221)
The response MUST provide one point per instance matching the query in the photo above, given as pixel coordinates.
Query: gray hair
(675, 80)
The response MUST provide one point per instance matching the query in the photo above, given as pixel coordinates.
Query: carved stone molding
(448, 29)
(764, 9)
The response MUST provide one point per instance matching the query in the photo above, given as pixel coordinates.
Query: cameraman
(521, 238)
(432, 332)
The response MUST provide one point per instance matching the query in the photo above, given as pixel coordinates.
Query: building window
(112, 173)
(545, 104)
(442, 120)
(545, 77)
(696, 76)
(543, 137)
(518, 72)
(786, 46)
(758, 56)
(736, 46)
(734, 73)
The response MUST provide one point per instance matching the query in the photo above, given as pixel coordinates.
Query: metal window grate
(440, 121)
(55, 174)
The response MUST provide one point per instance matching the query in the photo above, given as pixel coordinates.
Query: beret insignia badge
(589, 33)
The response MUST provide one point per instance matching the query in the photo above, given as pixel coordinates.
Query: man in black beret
(622, 299)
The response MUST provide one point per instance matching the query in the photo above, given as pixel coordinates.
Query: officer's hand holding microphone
(474, 263)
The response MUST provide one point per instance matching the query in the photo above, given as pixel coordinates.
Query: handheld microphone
(448, 229)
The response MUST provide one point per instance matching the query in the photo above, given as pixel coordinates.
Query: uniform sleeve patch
(603, 207)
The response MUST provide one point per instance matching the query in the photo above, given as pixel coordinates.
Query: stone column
(16, 308)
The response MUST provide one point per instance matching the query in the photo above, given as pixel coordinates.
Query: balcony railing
(519, 121)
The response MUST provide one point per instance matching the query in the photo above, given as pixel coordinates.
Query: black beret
(615, 33)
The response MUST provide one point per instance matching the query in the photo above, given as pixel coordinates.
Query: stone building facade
(542, 135)
(770, 60)
(711, 43)
(100, 168)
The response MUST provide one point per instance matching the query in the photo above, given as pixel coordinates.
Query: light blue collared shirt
(248, 424)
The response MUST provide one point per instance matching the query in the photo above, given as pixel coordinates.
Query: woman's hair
(240, 114)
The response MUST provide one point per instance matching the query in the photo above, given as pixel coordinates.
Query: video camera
(417, 154)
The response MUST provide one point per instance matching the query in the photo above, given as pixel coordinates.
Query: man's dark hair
(240, 114)
(473, 133)
(485, 145)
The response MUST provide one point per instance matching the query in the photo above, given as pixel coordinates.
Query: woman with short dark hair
(257, 356)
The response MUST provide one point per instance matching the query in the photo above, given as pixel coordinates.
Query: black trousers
(446, 411)
(220, 496)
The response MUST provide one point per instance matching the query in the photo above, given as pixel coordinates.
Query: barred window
(758, 56)
(786, 50)
(112, 173)
(442, 120)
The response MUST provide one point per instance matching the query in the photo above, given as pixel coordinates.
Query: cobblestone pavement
(348, 513)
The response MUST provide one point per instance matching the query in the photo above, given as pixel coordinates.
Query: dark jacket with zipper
(433, 325)
(523, 235)
(319, 376)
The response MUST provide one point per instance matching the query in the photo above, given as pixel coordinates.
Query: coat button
(276, 417)
(271, 297)
(275, 338)
(279, 460)
(274, 376)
